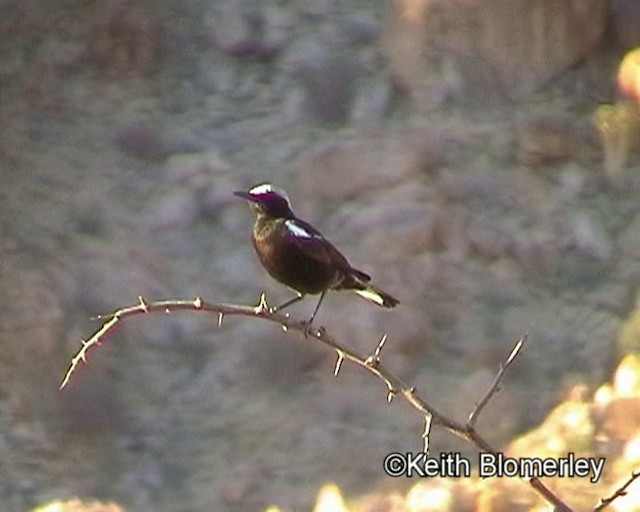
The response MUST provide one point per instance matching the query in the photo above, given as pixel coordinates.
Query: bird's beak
(244, 195)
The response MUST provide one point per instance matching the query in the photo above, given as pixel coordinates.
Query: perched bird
(297, 255)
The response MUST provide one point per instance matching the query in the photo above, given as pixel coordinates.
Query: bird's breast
(286, 262)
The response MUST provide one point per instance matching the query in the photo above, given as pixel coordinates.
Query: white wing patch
(298, 230)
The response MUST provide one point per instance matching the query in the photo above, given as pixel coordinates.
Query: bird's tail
(358, 281)
(377, 296)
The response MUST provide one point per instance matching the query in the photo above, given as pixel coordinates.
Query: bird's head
(266, 199)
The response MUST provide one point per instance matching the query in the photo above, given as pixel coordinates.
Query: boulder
(478, 51)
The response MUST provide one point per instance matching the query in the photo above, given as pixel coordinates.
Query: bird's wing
(311, 242)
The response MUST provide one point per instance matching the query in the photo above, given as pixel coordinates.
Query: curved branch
(372, 363)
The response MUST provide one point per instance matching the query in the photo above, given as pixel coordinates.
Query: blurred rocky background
(451, 148)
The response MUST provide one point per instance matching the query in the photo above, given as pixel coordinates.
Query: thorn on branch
(428, 419)
(197, 303)
(143, 304)
(339, 362)
(391, 394)
(220, 318)
(262, 306)
(374, 359)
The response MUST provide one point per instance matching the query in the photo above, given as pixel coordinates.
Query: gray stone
(372, 101)
(329, 86)
(625, 20)
(477, 51)
(348, 168)
(590, 238)
(234, 30)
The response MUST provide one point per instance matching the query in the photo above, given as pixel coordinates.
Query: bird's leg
(297, 298)
(307, 329)
(317, 308)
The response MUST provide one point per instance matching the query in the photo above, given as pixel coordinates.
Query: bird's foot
(308, 330)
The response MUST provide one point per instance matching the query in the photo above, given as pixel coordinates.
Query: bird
(297, 255)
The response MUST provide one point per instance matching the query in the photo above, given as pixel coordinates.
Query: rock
(487, 240)
(174, 210)
(361, 28)
(618, 126)
(486, 48)
(625, 19)
(198, 184)
(276, 32)
(248, 31)
(315, 9)
(196, 169)
(629, 243)
(590, 239)
(544, 141)
(572, 181)
(372, 102)
(142, 140)
(405, 227)
(125, 39)
(348, 168)
(329, 86)
(234, 31)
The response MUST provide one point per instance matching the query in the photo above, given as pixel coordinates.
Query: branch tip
(495, 386)
(621, 491)
(516, 349)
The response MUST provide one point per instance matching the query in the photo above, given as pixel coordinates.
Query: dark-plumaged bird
(296, 254)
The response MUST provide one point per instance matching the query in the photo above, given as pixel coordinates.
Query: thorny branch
(372, 363)
(622, 491)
